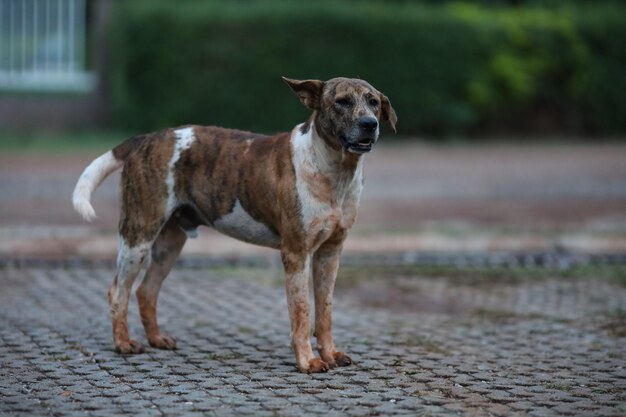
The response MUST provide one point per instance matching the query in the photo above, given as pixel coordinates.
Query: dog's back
(225, 178)
(208, 176)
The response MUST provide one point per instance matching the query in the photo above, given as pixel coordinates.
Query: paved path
(422, 346)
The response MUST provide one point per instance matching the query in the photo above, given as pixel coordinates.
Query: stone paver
(549, 347)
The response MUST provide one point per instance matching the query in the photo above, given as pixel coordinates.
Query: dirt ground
(418, 197)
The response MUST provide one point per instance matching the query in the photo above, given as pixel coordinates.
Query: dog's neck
(329, 155)
(319, 166)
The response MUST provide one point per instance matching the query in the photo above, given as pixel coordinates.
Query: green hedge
(448, 69)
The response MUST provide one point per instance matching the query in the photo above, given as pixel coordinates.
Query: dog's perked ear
(309, 91)
(388, 114)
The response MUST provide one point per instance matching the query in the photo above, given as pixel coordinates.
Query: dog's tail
(97, 171)
(90, 179)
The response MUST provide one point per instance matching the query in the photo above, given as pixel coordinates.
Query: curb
(553, 260)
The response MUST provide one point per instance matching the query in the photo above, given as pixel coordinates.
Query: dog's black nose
(368, 123)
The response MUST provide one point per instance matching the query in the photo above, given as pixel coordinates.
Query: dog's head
(347, 111)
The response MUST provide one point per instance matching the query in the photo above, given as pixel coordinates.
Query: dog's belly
(240, 225)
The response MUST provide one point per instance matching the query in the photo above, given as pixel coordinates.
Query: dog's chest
(328, 199)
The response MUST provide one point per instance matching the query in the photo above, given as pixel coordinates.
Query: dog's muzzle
(362, 146)
(362, 136)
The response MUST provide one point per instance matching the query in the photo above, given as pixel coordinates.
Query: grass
(425, 343)
(502, 316)
(61, 143)
(615, 323)
(619, 275)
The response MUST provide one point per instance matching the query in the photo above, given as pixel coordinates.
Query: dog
(296, 191)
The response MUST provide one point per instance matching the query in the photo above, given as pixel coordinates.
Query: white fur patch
(129, 258)
(240, 225)
(303, 158)
(89, 180)
(129, 264)
(184, 139)
(311, 153)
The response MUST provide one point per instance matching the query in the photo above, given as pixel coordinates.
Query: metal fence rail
(42, 45)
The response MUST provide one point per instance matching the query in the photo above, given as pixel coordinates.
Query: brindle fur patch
(144, 192)
(223, 166)
(337, 119)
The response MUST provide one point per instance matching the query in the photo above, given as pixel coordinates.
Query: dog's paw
(341, 359)
(336, 359)
(129, 346)
(316, 365)
(163, 341)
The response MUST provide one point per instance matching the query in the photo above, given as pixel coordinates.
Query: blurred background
(512, 114)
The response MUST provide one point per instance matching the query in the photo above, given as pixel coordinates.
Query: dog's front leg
(325, 266)
(297, 267)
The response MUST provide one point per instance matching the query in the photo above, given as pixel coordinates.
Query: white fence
(42, 45)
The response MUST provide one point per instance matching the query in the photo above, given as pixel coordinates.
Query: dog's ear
(388, 114)
(309, 91)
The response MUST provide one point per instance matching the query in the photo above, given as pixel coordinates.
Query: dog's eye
(343, 102)
(373, 102)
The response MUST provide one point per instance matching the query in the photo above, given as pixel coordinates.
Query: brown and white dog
(296, 191)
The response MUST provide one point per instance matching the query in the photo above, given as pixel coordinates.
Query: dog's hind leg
(147, 185)
(165, 251)
(129, 263)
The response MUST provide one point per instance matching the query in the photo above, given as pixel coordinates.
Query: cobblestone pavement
(422, 345)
